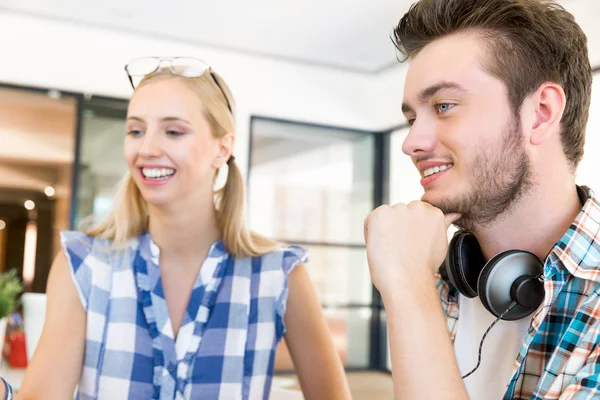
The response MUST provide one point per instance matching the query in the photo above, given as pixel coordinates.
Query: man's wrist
(411, 292)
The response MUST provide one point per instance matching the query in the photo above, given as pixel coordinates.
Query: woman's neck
(184, 234)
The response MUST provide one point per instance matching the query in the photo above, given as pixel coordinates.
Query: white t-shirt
(500, 349)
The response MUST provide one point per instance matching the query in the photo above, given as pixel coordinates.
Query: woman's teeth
(157, 173)
(435, 170)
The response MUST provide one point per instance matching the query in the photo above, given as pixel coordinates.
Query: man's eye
(443, 107)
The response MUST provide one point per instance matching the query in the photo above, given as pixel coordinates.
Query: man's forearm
(423, 361)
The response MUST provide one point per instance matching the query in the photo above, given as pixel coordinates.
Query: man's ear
(548, 106)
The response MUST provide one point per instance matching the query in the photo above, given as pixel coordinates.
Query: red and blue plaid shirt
(560, 354)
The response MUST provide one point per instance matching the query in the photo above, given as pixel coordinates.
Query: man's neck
(535, 224)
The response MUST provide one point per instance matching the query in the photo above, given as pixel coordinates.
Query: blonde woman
(172, 297)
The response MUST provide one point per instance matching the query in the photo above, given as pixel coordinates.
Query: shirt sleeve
(292, 257)
(77, 247)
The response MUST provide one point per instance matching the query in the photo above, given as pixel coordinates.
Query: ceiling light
(54, 94)
(49, 190)
(2, 224)
(30, 205)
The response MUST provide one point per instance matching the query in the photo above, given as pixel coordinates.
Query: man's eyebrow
(430, 91)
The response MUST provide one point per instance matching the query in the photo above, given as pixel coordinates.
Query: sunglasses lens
(189, 67)
(142, 66)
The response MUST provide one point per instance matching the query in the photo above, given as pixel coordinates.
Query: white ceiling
(347, 34)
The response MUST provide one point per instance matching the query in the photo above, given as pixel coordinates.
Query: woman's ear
(225, 149)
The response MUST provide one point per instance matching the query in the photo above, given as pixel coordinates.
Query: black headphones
(509, 278)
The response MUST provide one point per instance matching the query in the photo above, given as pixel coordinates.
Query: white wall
(387, 91)
(69, 56)
(405, 185)
(588, 171)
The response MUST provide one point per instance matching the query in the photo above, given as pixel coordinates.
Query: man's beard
(499, 178)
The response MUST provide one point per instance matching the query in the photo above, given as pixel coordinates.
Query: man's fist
(405, 243)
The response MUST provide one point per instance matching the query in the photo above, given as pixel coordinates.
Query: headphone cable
(510, 307)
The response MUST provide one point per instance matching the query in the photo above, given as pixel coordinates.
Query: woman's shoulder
(93, 261)
(78, 238)
(80, 244)
(284, 257)
(77, 244)
(293, 251)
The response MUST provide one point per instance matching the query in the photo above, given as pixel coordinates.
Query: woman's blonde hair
(129, 215)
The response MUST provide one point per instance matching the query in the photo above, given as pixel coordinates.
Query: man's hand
(405, 244)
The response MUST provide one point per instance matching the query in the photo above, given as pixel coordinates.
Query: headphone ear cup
(464, 262)
(498, 278)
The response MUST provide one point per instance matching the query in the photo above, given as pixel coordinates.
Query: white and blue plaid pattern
(225, 348)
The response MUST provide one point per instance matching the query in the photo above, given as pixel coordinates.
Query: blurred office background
(319, 128)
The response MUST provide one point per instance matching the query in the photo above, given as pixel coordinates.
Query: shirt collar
(579, 249)
(151, 252)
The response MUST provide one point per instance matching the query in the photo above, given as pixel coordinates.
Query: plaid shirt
(560, 354)
(226, 344)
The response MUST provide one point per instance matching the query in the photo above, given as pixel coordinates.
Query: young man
(497, 96)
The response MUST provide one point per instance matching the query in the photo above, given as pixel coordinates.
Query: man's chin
(432, 198)
(446, 206)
